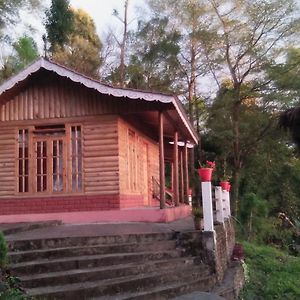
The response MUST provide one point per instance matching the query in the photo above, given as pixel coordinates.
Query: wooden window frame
(33, 138)
(21, 161)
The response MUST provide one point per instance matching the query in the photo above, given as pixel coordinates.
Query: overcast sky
(101, 10)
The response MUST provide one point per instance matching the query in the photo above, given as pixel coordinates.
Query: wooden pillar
(172, 176)
(186, 173)
(162, 191)
(181, 177)
(176, 169)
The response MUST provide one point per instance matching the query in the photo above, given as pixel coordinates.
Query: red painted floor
(153, 215)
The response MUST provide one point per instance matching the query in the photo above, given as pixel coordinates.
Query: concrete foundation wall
(214, 247)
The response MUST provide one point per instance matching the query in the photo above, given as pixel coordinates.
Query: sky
(101, 11)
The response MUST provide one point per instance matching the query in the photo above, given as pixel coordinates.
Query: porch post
(226, 203)
(219, 204)
(208, 220)
(176, 175)
(227, 200)
(181, 177)
(172, 176)
(186, 174)
(224, 200)
(161, 162)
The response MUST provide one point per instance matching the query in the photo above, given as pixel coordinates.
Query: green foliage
(3, 251)
(153, 64)
(25, 52)
(82, 50)
(286, 75)
(272, 274)
(14, 294)
(59, 23)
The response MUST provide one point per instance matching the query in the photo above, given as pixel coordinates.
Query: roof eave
(100, 87)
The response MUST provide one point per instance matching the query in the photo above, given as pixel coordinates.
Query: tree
(59, 24)
(25, 52)
(153, 62)
(122, 43)
(192, 22)
(9, 11)
(82, 51)
(250, 34)
(9, 16)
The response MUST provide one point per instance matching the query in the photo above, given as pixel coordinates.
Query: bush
(3, 251)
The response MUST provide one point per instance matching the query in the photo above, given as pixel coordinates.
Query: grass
(272, 274)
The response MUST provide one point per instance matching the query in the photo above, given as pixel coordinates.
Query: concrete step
(62, 242)
(30, 255)
(166, 291)
(88, 261)
(13, 228)
(101, 273)
(132, 283)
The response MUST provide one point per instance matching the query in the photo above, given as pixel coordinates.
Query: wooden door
(50, 165)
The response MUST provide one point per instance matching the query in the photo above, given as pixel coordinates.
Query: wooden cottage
(69, 143)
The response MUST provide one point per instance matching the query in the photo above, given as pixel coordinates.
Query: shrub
(3, 251)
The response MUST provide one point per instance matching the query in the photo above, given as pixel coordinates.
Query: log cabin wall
(7, 162)
(139, 162)
(110, 146)
(54, 102)
(100, 179)
(101, 158)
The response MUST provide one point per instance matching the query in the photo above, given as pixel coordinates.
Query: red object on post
(205, 174)
(229, 187)
(225, 185)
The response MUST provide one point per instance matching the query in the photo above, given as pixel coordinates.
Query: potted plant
(224, 183)
(198, 216)
(205, 170)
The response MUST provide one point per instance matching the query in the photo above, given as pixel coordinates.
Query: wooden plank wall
(7, 161)
(153, 160)
(101, 160)
(61, 98)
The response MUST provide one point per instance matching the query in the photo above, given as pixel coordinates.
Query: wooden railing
(156, 191)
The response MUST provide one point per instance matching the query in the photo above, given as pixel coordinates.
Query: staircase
(133, 266)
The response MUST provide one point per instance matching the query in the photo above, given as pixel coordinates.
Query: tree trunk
(235, 192)
(123, 46)
(236, 150)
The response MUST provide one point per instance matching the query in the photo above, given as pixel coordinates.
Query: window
(44, 166)
(23, 161)
(58, 165)
(76, 158)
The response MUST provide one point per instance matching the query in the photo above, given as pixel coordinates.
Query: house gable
(47, 95)
(14, 85)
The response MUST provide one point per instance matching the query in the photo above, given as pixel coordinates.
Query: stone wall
(214, 248)
(225, 241)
